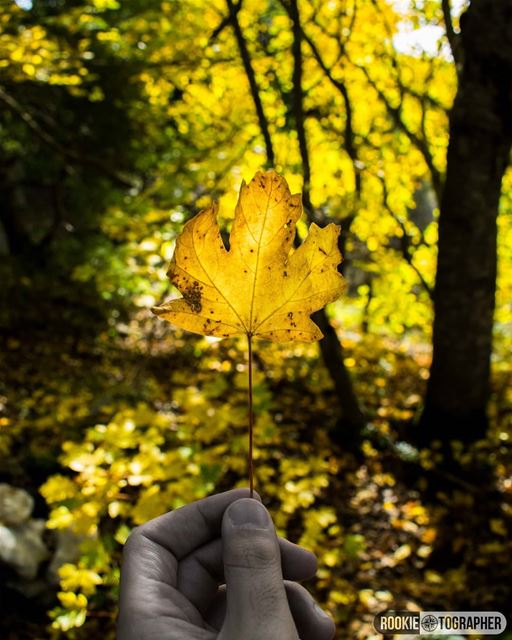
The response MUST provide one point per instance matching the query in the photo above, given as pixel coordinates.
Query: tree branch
(420, 143)
(220, 27)
(349, 129)
(298, 103)
(405, 242)
(394, 112)
(251, 77)
(452, 37)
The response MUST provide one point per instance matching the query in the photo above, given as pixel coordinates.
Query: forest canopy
(120, 120)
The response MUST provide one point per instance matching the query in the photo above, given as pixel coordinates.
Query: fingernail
(320, 612)
(249, 514)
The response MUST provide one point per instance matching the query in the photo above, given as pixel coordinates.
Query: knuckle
(294, 589)
(133, 539)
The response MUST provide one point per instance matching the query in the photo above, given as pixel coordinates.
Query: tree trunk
(349, 429)
(478, 154)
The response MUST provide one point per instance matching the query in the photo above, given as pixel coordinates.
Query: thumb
(257, 606)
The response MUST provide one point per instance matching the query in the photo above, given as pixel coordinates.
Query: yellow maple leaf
(261, 286)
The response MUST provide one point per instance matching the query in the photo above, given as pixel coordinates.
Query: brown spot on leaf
(192, 297)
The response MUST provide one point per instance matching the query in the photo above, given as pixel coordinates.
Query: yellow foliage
(77, 578)
(58, 488)
(72, 600)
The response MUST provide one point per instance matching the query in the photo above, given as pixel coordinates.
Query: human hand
(175, 568)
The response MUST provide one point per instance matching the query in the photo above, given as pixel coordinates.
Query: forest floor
(405, 534)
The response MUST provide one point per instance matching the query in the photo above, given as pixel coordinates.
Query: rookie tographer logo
(440, 623)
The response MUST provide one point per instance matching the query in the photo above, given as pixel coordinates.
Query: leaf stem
(251, 417)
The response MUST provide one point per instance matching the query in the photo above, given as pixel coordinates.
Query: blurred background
(386, 447)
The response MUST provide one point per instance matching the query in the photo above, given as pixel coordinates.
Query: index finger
(191, 526)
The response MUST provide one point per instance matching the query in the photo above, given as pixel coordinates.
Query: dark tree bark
(478, 154)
